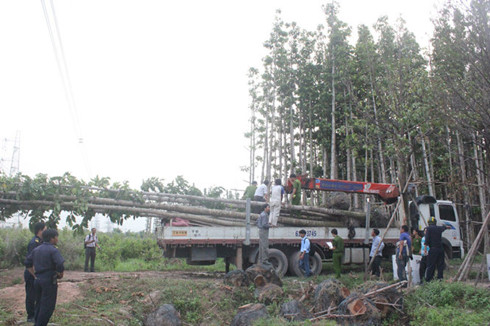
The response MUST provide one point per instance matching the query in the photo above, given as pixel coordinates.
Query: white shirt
(261, 190)
(89, 238)
(276, 192)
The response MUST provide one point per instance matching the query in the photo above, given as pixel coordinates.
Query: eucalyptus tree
(461, 68)
(403, 81)
(368, 66)
(254, 92)
(338, 57)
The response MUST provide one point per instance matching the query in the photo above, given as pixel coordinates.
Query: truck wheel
(279, 261)
(315, 264)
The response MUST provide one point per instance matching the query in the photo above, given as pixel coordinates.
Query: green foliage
(49, 199)
(13, 246)
(437, 302)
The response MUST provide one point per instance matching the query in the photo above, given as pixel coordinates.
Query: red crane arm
(387, 192)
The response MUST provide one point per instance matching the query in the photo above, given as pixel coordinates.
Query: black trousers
(435, 259)
(46, 290)
(375, 266)
(30, 294)
(422, 268)
(90, 254)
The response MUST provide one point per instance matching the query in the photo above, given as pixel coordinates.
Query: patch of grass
(18, 280)
(438, 302)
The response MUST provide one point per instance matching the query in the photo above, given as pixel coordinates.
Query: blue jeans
(401, 264)
(304, 264)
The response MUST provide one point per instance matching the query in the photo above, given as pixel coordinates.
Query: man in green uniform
(250, 191)
(338, 252)
(296, 194)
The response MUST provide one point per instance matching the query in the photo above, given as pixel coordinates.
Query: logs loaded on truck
(202, 229)
(236, 238)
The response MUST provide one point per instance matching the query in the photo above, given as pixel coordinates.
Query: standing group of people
(274, 197)
(428, 244)
(269, 215)
(44, 267)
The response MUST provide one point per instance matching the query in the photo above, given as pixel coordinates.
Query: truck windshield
(446, 212)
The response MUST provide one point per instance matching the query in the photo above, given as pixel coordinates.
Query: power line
(59, 53)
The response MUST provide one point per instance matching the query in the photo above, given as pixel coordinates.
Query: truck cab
(445, 213)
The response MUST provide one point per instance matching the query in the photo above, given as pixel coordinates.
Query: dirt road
(12, 291)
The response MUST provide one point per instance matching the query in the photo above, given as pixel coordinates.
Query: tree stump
(269, 293)
(361, 310)
(382, 300)
(248, 314)
(268, 272)
(294, 311)
(329, 293)
(165, 315)
(236, 278)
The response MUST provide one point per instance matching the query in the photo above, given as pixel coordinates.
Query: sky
(158, 88)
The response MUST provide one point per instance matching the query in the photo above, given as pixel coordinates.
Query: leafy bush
(437, 302)
(13, 247)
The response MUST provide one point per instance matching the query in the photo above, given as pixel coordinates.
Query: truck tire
(279, 260)
(315, 264)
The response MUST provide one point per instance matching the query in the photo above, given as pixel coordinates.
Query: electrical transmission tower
(10, 156)
(149, 222)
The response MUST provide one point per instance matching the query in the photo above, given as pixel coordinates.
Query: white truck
(202, 245)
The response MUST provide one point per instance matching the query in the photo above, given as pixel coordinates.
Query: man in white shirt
(261, 194)
(91, 242)
(376, 259)
(277, 193)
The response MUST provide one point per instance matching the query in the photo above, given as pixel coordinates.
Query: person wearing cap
(435, 257)
(304, 256)
(250, 191)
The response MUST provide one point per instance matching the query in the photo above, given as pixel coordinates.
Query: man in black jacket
(435, 258)
(36, 241)
(45, 263)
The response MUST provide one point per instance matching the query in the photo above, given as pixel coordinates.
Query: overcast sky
(159, 87)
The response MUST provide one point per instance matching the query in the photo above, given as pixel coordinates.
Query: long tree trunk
(466, 200)
(480, 178)
(413, 163)
(333, 143)
(380, 146)
(427, 168)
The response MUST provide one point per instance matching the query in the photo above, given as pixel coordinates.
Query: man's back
(47, 260)
(434, 236)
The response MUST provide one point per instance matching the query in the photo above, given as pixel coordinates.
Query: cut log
(328, 294)
(356, 307)
(269, 293)
(268, 272)
(249, 314)
(294, 311)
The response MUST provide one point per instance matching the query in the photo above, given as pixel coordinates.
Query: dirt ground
(12, 293)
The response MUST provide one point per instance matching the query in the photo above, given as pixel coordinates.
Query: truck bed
(230, 235)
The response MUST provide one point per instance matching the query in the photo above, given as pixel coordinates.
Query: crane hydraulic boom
(387, 192)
